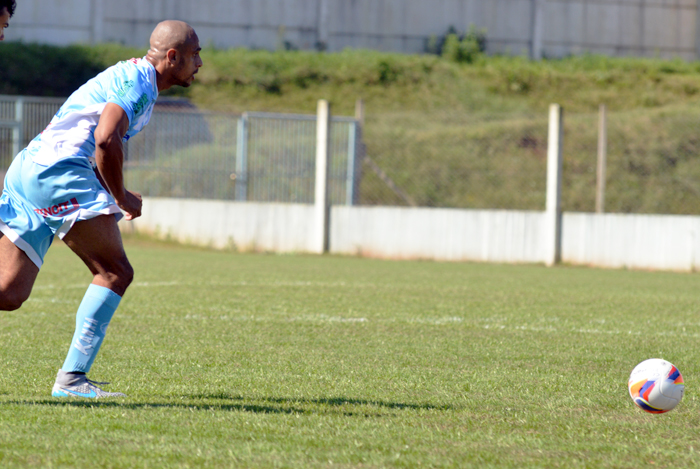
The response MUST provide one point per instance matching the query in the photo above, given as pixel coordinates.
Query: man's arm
(109, 155)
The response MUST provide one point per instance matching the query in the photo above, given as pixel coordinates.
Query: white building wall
(666, 28)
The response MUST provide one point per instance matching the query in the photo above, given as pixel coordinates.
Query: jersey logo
(140, 105)
(128, 84)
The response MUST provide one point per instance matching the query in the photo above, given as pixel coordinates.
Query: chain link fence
(260, 157)
(652, 162)
(455, 161)
(404, 159)
(21, 119)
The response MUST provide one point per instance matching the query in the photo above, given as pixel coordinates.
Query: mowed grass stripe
(244, 360)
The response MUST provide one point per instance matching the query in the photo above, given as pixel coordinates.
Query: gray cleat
(78, 385)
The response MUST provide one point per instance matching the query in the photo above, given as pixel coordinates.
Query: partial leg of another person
(17, 275)
(24, 239)
(97, 241)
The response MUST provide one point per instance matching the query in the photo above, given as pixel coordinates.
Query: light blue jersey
(130, 84)
(51, 184)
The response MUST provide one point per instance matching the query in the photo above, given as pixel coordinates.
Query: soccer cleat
(78, 385)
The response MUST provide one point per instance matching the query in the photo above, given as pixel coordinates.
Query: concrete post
(322, 209)
(554, 175)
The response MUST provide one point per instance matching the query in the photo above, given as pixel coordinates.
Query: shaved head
(174, 52)
(170, 34)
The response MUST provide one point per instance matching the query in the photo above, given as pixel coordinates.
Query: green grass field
(258, 361)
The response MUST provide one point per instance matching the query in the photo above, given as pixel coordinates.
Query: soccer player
(68, 182)
(7, 9)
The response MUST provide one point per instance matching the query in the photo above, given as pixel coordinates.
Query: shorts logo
(62, 208)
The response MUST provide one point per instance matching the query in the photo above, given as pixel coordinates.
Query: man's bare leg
(17, 275)
(98, 243)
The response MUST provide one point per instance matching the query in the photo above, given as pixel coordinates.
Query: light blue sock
(91, 321)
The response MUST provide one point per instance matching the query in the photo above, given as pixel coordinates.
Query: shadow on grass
(330, 402)
(234, 403)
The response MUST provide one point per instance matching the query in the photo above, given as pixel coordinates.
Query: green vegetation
(458, 129)
(240, 360)
(42, 70)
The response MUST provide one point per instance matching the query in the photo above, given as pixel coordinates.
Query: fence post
(18, 130)
(321, 206)
(242, 159)
(602, 156)
(355, 155)
(352, 155)
(360, 149)
(553, 214)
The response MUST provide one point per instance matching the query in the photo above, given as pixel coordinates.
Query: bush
(42, 70)
(464, 49)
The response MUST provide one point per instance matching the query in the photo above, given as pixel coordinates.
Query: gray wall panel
(667, 28)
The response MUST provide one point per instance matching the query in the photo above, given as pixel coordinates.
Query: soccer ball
(656, 386)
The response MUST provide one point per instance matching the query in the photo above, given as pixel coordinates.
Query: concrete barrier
(246, 226)
(439, 234)
(664, 242)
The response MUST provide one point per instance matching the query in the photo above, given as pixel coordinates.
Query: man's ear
(172, 56)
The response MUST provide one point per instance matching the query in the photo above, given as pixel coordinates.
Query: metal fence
(253, 157)
(444, 160)
(499, 161)
(653, 161)
(21, 119)
(184, 152)
(455, 161)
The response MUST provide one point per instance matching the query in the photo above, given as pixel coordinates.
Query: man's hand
(131, 204)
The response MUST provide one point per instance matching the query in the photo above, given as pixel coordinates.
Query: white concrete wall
(667, 242)
(664, 242)
(441, 234)
(247, 226)
(667, 28)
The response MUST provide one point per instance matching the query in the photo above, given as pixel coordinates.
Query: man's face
(188, 62)
(4, 22)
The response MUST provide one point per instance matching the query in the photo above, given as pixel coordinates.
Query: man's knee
(11, 300)
(17, 275)
(119, 275)
(127, 273)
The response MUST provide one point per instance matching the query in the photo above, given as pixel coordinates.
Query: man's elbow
(107, 141)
